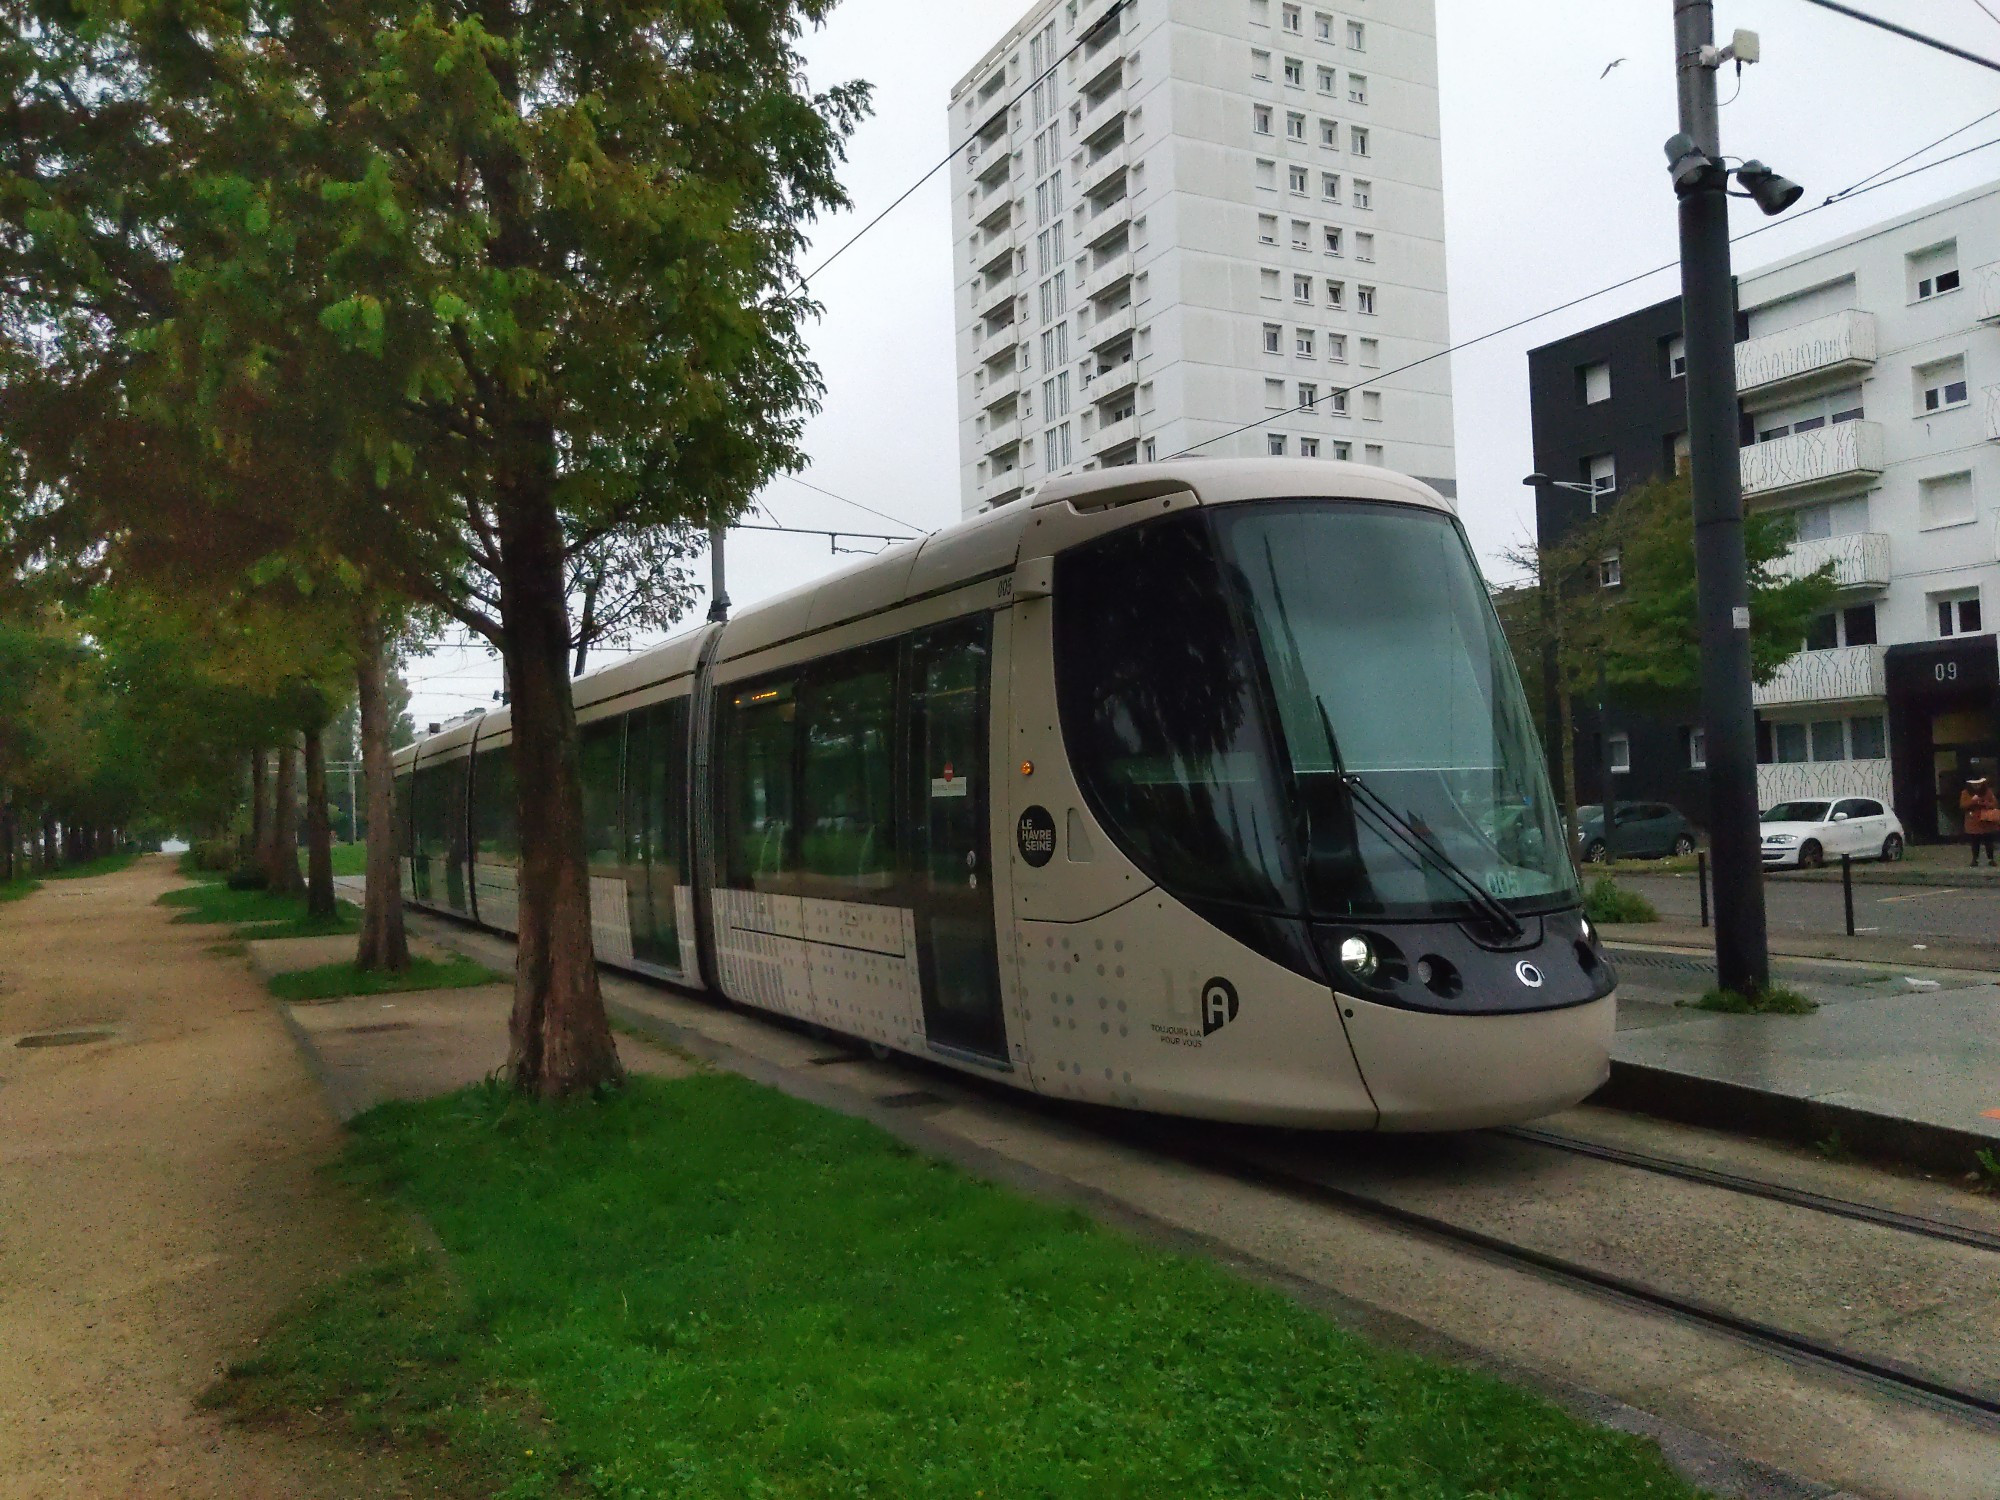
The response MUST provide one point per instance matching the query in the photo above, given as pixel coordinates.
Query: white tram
(1205, 788)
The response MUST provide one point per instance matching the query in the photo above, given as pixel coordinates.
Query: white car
(1805, 835)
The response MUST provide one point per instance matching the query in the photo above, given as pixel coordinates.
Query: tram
(1204, 788)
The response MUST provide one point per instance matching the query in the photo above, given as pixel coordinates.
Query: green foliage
(704, 1288)
(1776, 1000)
(1606, 902)
(109, 864)
(336, 981)
(14, 890)
(256, 913)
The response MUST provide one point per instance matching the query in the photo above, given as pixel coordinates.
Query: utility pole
(718, 594)
(1708, 308)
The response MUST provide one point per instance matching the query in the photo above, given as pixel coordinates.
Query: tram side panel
(1122, 995)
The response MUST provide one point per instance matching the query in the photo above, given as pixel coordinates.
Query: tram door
(949, 684)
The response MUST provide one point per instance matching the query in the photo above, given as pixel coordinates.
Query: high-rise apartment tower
(1216, 222)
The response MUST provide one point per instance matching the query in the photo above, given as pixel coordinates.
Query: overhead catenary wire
(1906, 32)
(879, 514)
(1905, 160)
(1603, 291)
(1995, 14)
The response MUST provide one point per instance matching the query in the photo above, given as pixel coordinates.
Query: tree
(627, 582)
(1642, 632)
(486, 321)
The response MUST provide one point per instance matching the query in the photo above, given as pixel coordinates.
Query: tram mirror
(1034, 579)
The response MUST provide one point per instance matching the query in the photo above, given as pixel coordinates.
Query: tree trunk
(560, 1039)
(50, 860)
(319, 829)
(383, 944)
(259, 823)
(1566, 712)
(9, 835)
(283, 868)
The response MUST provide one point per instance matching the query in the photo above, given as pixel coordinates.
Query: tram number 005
(1945, 671)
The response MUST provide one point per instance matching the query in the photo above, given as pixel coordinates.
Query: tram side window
(760, 730)
(403, 816)
(455, 782)
(847, 820)
(600, 762)
(655, 828)
(495, 830)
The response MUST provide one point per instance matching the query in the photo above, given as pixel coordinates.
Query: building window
(1326, 80)
(1260, 66)
(1337, 399)
(1329, 135)
(1357, 88)
(1323, 26)
(1308, 397)
(1364, 300)
(1295, 72)
(1260, 118)
(1364, 194)
(1946, 500)
(1611, 571)
(1593, 383)
(1357, 36)
(1364, 246)
(1619, 744)
(1601, 474)
(1829, 739)
(1343, 451)
(1677, 357)
(1357, 140)
(1308, 447)
(1330, 241)
(1267, 229)
(1302, 288)
(1933, 272)
(1275, 444)
(1301, 235)
(1942, 385)
(1857, 625)
(1149, 452)
(1371, 406)
(1869, 738)
(1371, 353)
(1303, 343)
(1274, 338)
(1789, 742)
(1274, 395)
(1374, 453)
(1295, 127)
(1336, 295)
(1957, 614)
(1294, 20)
(1697, 742)
(1329, 191)
(1267, 176)
(1268, 284)
(1296, 177)
(1336, 347)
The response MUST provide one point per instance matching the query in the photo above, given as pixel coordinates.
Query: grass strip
(345, 920)
(332, 981)
(1607, 901)
(109, 864)
(704, 1288)
(1775, 1000)
(14, 890)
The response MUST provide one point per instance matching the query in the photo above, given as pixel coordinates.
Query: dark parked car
(1646, 830)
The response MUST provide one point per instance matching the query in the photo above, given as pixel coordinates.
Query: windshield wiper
(1365, 798)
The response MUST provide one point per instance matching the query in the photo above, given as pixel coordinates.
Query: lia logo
(1218, 1005)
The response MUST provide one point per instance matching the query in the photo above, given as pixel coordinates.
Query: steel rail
(1756, 1187)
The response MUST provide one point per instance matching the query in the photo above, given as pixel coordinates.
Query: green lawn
(14, 890)
(348, 859)
(257, 914)
(703, 1288)
(109, 864)
(332, 981)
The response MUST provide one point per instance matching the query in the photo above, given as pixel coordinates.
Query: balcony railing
(996, 344)
(995, 293)
(1986, 292)
(1990, 395)
(1846, 674)
(1105, 384)
(1111, 107)
(1102, 170)
(1001, 388)
(1113, 434)
(1110, 327)
(1108, 220)
(1841, 453)
(1001, 488)
(1860, 561)
(1842, 343)
(1107, 274)
(1002, 435)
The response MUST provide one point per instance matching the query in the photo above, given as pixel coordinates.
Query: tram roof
(978, 546)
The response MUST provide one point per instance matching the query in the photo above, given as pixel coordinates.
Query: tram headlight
(1357, 956)
(1589, 933)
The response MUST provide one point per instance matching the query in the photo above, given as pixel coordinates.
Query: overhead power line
(1904, 160)
(821, 489)
(1616, 286)
(1995, 14)
(946, 159)
(1903, 31)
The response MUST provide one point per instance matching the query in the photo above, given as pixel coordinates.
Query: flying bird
(1608, 67)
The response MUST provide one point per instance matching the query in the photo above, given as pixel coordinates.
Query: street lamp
(1540, 481)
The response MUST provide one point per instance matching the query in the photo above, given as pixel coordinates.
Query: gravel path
(159, 1204)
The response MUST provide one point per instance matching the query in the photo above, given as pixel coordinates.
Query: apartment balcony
(1107, 275)
(1001, 488)
(1103, 53)
(1990, 397)
(995, 293)
(1860, 561)
(1108, 220)
(1986, 292)
(1099, 172)
(1115, 434)
(995, 253)
(1102, 115)
(1846, 674)
(1092, 12)
(1843, 454)
(1000, 437)
(1808, 355)
(1109, 328)
(994, 345)
(1000, 388)
(1116, 381)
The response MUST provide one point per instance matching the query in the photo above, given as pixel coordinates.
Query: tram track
(1894, 1376)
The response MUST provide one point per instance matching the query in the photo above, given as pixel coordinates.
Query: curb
(1736, 1109)
(1675, 937)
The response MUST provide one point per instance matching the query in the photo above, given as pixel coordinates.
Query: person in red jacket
(1982, 817)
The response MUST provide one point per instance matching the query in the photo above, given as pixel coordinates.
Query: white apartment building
(1870, 381)
(1176, 219)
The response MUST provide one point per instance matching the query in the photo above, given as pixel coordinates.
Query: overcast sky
(1555, 186)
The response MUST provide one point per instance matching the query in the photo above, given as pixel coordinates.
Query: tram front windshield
(1306, 707)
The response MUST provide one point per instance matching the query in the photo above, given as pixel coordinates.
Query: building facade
(1868, 372)
(1200, 221)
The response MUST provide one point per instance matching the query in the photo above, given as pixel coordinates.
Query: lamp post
(1609, 802)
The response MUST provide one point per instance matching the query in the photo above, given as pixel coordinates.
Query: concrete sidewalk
(1901, 1062)
(1879, 949)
